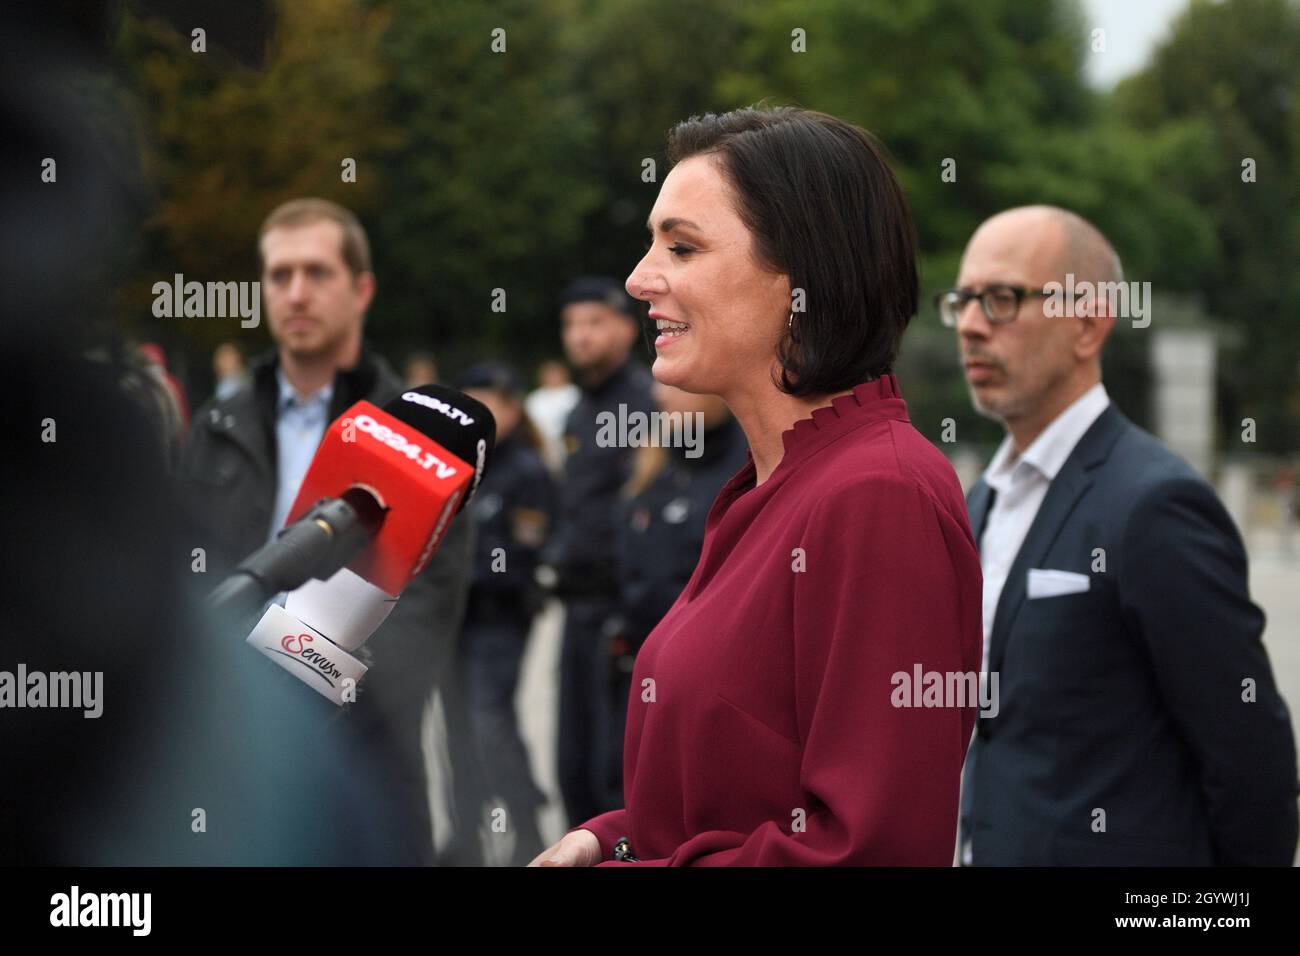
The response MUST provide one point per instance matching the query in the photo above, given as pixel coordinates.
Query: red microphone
(377, 498)
(420, 457)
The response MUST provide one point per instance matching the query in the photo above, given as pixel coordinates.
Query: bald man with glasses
(1138, 721)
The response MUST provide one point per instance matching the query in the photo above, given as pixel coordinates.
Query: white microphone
(319, 629)
(347, 608)
(308, 655)
(410, 457)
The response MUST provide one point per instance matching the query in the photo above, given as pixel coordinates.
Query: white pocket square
(1043, 583)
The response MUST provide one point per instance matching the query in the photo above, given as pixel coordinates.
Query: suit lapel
(978, 503)
(1070, 484)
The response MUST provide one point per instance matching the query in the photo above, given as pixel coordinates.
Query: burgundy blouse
(762, 727)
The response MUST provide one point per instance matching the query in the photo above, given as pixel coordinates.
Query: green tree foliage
(227, 143)
(481, 168)
(1230, 70)
(993, 95)
(491, 190)
(934, 79)
(642, 66)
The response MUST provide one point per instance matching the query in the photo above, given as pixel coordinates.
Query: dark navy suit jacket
(1138, 723)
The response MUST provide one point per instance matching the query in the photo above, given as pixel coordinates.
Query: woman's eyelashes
(679, 250)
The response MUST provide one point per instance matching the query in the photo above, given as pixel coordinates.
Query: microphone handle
(316, 545)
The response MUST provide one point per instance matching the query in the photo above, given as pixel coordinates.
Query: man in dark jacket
(246, 456)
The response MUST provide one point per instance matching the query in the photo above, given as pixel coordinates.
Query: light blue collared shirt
(299, 427)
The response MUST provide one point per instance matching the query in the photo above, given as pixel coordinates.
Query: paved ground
(1275, 586)
(538, 706)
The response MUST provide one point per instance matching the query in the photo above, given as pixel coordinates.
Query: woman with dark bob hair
(776, 714)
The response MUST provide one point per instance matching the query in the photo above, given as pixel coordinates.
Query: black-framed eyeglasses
(1001, 303)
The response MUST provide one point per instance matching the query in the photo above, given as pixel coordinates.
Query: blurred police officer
(512, 511)
(599, 328)
(661, 522)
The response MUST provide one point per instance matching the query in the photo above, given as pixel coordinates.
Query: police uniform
(512, 514)
(584, 554)
(660, 533)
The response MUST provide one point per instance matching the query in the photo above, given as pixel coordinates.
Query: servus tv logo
(307, 654)
(298, 647)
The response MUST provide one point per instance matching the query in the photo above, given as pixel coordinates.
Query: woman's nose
(634, 285)
(642, 283)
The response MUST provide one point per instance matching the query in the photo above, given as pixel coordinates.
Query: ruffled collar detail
(876, 400)
(879, 398)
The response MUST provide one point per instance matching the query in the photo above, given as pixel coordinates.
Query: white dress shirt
(1020, 484)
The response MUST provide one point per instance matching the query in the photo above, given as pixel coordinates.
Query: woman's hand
(577, 848)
